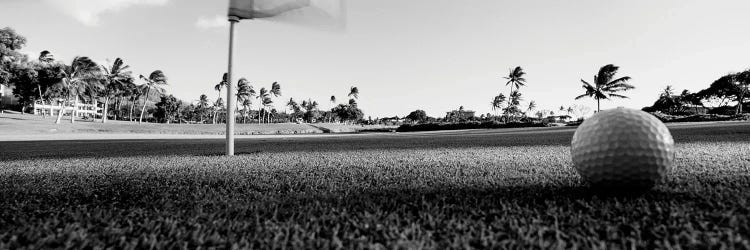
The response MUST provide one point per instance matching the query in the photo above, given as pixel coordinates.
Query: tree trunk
(50, 108)
(39, 88)
(597, 105)
(507, 111)
(132, 105)
(148, 90)
(74, 112)
(104, 112)
(60, 112)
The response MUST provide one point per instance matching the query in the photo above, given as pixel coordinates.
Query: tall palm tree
(606, 85)
(81, 75)
(275, 91)
(515, 79)
(262, 96)
(154, 82)
(221, 84)
(354, 92)
(245, 91)
(115, 77)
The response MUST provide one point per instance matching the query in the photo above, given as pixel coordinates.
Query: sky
(403, 55)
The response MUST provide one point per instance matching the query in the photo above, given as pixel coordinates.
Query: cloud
(212, 22)
(89, 11)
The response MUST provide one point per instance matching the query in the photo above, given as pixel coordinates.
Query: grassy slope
(418, 190)
(30, 124)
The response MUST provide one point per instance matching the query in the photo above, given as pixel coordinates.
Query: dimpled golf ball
(622, 149)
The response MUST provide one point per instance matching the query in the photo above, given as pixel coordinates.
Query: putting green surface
(482, 188)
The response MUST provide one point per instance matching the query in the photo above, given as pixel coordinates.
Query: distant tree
(329, 115)
(311, 110)
(514, 103)
(166, 109)
(24, 80)
(348, 113)
(275, 92)
(114, 79)
(417, 116)
(82, 75)
(49, 74)
(263, 94)
(245, 93)
(154, 83)
(203, 105)
(515, 79)
(10, 55)
(46, 56)
(742, 82)
(532, 106)
(497, 102)
(217, 107)
(354, 92)
(223, 83)
(606, 85)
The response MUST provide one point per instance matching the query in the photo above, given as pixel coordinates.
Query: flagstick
(230, 90)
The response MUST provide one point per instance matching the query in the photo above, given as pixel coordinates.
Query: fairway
(512, 188)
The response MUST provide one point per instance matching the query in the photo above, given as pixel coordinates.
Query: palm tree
(293, 106)
(513, 102)
(245, 91)
(354, 91)
(221, 84)
(246, 105)
(203, 104)
(497, 102)
(45, 57)
(333, 104)
(532, 106)
(262, 96)
(83, 74)
(115, 77)
(606, 85)
(218, 105)
(134, 92)
(154, 82)
(275, 91)
(515, 79)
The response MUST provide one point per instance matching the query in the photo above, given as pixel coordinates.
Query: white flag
(316, 13)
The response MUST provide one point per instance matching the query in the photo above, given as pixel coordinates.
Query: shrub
(465, 125)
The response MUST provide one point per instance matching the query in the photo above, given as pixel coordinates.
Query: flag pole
(230, 89)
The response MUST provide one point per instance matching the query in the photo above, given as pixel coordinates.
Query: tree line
(59, 85)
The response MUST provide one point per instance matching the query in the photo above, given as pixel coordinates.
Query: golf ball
(622, 148)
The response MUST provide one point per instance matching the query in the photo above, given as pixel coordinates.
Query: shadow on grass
(109, 209)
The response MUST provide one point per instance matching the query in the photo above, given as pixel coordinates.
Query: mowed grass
(345, 195)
